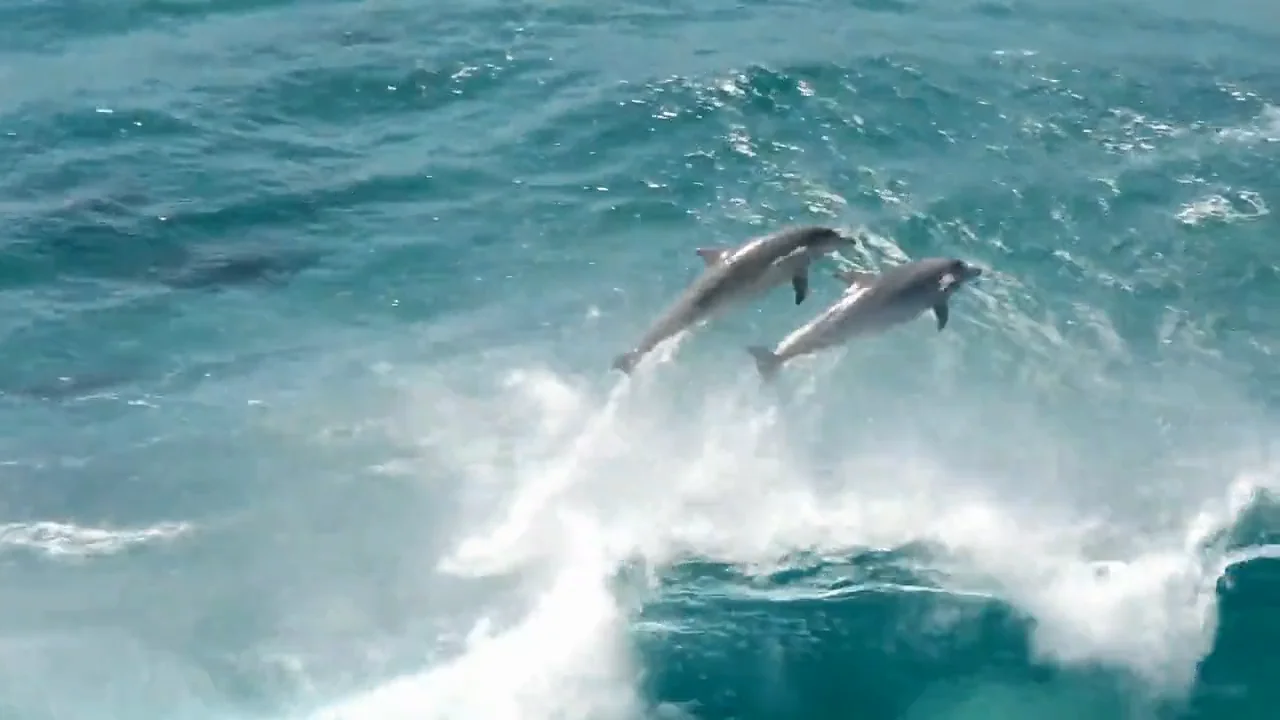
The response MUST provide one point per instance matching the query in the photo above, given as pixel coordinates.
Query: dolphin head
(821, 240)
(957, 273)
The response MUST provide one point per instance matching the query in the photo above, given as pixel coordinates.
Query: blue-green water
(307, 311)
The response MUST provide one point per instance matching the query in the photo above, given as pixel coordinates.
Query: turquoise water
(308, 309)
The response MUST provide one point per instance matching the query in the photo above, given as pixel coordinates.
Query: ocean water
(307, 312)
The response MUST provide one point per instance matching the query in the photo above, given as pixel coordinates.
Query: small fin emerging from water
(626, 362)
(711, 256)
(942, 312)
(767, 362)
(855, 278)
(801, 285)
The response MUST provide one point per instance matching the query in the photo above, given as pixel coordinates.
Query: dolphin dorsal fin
(855, 278)
(712, 255)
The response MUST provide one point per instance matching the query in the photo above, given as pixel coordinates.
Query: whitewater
(307, 311)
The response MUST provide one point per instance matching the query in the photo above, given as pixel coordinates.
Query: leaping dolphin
(734, 276)
(873, 303)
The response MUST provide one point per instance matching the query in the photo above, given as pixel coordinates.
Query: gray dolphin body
(873, 303)
(733, 276)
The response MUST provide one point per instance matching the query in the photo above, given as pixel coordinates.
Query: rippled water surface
(307, 311)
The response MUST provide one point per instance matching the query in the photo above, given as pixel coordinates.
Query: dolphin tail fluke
(767, 361)
(626, 362)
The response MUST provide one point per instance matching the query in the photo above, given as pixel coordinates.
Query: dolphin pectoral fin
(854, 278)
(800, 282)
(711, 256)
(942, 312)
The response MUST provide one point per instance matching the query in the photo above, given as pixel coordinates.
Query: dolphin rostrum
(736, 275)
(873, 303)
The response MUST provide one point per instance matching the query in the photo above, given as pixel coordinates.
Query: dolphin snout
(839, 241)
(972, 272)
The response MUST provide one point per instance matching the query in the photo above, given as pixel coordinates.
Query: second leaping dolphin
(734, 276)
(873, 303)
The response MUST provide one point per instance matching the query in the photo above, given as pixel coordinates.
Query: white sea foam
(568, 484)
(68, 540)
